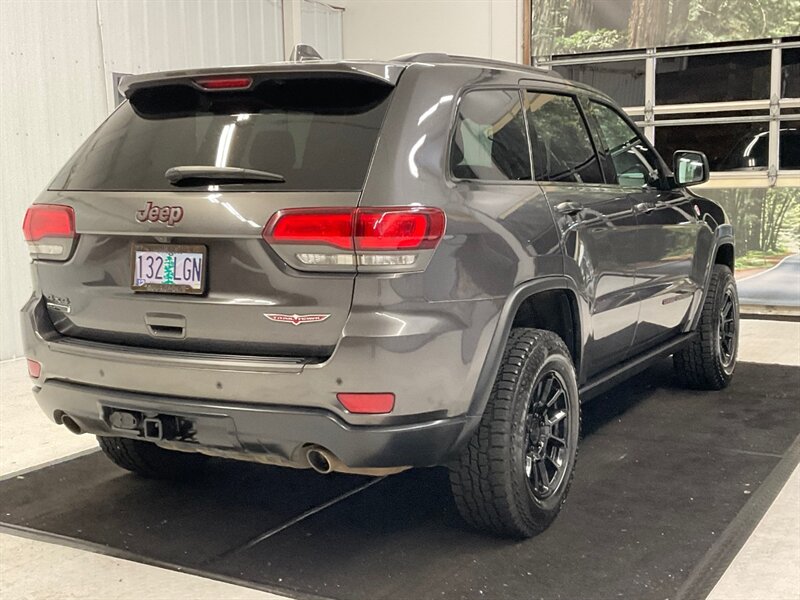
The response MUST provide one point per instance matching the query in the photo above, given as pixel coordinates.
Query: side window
(635, 164)
(489, 140)
(562, 148)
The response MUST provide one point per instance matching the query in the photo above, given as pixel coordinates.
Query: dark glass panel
(713, 77)
(623, 80)
(729, 147)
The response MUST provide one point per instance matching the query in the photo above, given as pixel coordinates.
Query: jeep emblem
(160, 214)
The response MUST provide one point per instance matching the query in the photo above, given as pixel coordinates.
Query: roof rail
(442, 57)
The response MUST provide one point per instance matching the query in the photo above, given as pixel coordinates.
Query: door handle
(644, 207)
(569, 208)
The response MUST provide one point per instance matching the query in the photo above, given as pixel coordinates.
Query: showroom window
(739, 102)
(489, 141)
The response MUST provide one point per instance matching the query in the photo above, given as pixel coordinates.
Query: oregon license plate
(168, 268)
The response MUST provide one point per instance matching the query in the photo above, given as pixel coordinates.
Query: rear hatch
(306, 137)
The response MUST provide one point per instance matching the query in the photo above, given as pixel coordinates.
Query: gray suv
(364, 267)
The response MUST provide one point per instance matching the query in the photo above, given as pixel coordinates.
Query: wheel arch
(551, 303)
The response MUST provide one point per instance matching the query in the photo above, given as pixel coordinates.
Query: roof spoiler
(386, 73)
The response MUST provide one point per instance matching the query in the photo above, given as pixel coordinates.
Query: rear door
(595, 220)
(668, 228)
(316, 132)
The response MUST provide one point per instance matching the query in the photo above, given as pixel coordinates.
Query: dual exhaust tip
(321, 460)
(71, 424)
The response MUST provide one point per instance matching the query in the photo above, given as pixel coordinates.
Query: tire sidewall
(539, 363)
(727, 282)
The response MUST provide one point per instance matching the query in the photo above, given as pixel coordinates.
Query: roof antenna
(304, 52)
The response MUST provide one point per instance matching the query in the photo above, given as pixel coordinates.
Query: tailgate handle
(166, 325)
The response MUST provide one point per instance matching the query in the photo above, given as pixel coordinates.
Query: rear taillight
(374, 239)
(49, 230)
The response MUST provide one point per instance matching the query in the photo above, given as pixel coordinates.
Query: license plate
(168, 269)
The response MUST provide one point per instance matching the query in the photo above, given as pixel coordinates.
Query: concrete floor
(767, 567)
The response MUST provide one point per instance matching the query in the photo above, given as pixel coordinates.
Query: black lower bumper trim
(249, 430)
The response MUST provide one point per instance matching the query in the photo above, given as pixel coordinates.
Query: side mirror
(689, 167)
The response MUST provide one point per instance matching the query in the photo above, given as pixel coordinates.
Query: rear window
(318, 133)
(489, 141)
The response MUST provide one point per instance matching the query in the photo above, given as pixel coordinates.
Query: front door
(667, 228)
(596, 223)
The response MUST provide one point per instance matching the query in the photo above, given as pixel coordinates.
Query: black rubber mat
(662, 475)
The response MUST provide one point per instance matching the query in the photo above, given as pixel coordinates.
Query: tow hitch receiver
(152, 429)
(155, 427)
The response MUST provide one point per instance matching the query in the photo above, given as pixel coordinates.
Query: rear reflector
(225, 83)
(34, 369)
(48, 221)
(366, 403)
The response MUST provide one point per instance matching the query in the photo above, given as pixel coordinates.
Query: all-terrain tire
(492, 479)
(151, 461)
(707, 362)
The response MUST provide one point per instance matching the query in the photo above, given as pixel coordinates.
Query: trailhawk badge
(295, 319)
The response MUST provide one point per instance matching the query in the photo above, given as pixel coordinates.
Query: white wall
(383, 29)
(159, 35)
(56, 59)
(53, 96)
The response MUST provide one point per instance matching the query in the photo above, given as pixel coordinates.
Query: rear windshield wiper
(195, 175)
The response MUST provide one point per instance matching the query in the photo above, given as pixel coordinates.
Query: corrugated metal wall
(57, 59)
(53, 96)
(159, 35)
(322, 28)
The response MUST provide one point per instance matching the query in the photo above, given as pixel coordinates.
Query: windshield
(317, 133)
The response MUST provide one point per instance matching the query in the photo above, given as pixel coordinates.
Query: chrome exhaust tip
(71, 425)
(320, 460)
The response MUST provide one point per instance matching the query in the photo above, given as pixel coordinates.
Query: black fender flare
(723, 235)
(514, 300)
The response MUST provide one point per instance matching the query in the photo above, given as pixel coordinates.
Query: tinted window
(319, 133)
(622, 80)
(713, 77)
(489, 140)
(562, 149)
(634, 163)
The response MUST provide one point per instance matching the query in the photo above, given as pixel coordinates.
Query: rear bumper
(263, 434)
(270, 410)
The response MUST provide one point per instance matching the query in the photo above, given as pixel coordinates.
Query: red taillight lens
(405, 228)
(34, 369)
(398, 229)
(47, 221)
(225, 83)
(329, 227)
(365, 403)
